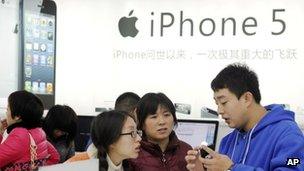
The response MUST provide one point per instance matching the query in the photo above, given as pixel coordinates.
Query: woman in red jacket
(24, 145)
(161, 150)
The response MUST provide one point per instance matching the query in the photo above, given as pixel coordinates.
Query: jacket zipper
(163, 158)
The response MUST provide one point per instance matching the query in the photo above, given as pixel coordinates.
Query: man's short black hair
(127, 102)
(238, 78)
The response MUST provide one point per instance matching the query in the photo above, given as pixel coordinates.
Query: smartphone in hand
(205, 153)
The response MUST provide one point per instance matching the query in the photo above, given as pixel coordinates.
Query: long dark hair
(63, 118)
(105, 130)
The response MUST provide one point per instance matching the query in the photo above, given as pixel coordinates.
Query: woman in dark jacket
(161, 150)
(60, 125)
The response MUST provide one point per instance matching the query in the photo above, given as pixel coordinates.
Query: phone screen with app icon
(39, 48)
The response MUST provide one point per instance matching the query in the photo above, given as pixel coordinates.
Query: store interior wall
(90, 73)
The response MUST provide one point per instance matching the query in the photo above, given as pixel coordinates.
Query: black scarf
(22, 125)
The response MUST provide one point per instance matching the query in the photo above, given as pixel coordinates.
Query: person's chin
(232, 125)
(135, 152)
(229, 123)
(162, 137)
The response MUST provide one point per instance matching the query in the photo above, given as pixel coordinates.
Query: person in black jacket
(60, 126)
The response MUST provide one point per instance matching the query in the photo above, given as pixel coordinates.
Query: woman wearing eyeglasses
(161, 150)
(115, 136)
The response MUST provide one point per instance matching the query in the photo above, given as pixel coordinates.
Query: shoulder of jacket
(184, 145)
(20, 131)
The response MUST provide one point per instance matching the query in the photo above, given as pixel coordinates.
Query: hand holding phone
(204, 153)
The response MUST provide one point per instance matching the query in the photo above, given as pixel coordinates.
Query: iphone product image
(38, 44)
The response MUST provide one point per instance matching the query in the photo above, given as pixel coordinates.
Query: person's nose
(220, 110)
(138, 138)
(161, 120)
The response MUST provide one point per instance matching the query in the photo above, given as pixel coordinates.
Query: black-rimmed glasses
(133, 133)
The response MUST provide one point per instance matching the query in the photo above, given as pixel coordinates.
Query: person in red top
(161, 150)
(24, 113)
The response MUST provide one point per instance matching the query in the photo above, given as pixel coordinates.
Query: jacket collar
(21, 125)
(155, 149)
(15, 125)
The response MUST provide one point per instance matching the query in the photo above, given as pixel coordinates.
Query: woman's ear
(17, 118)
(112, 146)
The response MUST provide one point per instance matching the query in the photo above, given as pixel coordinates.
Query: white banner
(105, 48)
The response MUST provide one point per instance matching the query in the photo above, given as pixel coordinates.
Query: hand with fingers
(215, 161)
(193, 160)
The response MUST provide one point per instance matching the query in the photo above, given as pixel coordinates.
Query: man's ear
(248, 97)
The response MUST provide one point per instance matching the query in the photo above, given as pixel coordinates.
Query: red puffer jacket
(151, 158)
(15, 150)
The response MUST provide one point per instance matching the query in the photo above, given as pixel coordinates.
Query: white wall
(8, 48)
(89, 75)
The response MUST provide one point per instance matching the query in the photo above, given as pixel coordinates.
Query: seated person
(160, 147)
(60, 126)
(24, 145)
(116, 138)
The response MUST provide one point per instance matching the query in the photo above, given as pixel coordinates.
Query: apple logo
(127, 26)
